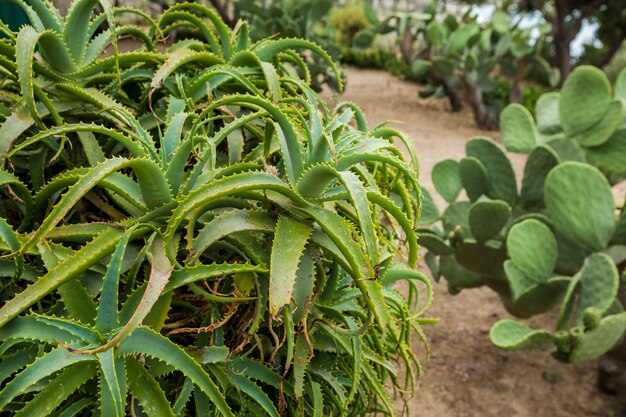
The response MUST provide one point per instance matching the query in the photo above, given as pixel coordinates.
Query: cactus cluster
(556, 241)
(459, 58)
(583, 122)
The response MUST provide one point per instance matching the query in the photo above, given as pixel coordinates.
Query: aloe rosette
(193, 221)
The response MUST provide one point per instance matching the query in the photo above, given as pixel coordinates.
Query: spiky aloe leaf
(58, 390)
(290, 239)
(44, 366)
(146, 342)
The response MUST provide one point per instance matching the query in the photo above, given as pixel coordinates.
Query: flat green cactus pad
(458, 278)
(540, 162)
(580, 203)
(540, 298)
(500, 175)
(611, 155)
(599, 281)
(487, 218)
(620, 86)
(482, 259)
(599, 341)
(473, 177)
(532, 247)
(445, 176)
(567, 149)
(585, 99)
(518, 129)
(602, 131)
(457, 215)
(512, 335)
(433, 242)
(430, 212)
(547, 113)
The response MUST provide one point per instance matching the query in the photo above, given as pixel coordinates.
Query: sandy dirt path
(466, 375)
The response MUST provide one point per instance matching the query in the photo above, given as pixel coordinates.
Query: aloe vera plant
(556, 242)
(193, 221)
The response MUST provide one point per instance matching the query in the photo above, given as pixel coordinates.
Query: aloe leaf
(358, 195)
(154, 187)
(107, 318)
(229, 223)
(268, 50)
(402, 219)
(58, 390)
(144, 341)
(112, 384)
(255, 393)
(146, 390)
(290, 239)
(46, 365)
(39, 328)
(179, 58)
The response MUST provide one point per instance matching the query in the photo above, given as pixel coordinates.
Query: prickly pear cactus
(555, 243)
(583, 122)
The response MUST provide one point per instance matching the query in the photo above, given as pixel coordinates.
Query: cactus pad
(580, 203)
(518, 129)
(540, 162)
(487, 218)
(611, 156)
(445, 177)
(500, 175)
(547, 113)
(484, 260)
(599, 341)
(511, 335)
(602, 131)
(473, 177)
(599, 281)
(532, 247)
(458, 278)
(585, 98)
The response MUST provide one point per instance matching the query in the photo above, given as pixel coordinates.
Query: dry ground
(466, 375)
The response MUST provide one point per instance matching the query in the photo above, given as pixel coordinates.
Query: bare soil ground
(466, 375)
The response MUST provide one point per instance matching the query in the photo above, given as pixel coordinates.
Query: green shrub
(349, 20)
(193, 221)
(556, 242)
